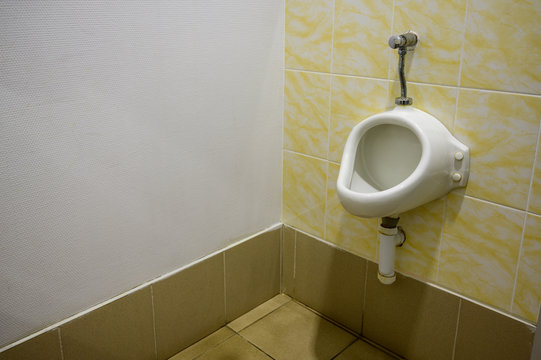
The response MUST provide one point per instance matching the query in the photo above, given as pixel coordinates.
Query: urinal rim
(398, 117)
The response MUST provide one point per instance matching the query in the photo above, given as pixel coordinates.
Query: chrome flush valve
(407, 40)
(403, 43)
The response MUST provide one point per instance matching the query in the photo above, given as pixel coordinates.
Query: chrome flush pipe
(403, 42)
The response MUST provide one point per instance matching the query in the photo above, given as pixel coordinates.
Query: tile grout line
(154, 322)
(504, 92)
(261, 318)
(333, 16)
(445, 201)
(309, 156)
(507, 207)
(333, 5)
(456, 329)
(462, 47)
(326, 202)
(528, 200)
(344, 349)
(212, 347)
(364, 296)
(60, 343)
(294, 258)
(225, 290)
(283, 114)
(281, 258)
(389, 57)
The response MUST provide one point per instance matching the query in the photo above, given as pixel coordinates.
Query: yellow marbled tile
(419, 254)
(358, 235)
(501, 131)
(528, 288)
(440, 25)
(303, 195)
(361, 29)
(438, 101)
(480, 247)
(308, 38)
(502, 48)
(535, 191)
(306, 112)
(353, 100)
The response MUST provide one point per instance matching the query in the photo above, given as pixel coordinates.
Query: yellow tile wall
(477, 68)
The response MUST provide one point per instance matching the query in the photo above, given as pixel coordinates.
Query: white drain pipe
(390, 236)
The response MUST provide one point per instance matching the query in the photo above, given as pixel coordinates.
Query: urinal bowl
(397, 160)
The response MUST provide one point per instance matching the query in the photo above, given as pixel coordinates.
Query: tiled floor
(281, 329)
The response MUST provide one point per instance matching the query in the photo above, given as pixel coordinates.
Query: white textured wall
(135, 137)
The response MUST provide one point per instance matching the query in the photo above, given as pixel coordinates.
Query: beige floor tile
(294, 332)
(262, 310)
(204, 345)
(363, 351)
(236, 348)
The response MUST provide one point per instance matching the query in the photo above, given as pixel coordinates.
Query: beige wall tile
(204, 345)
(535, 191)
(480, 249)
(330, 280)
(440, 25)
(528, 287)
(419, 255)
(486, 334)
(252, 273)
(502, 49)
(501, 131)
(353, 233)
(294, 332)
(189, 305)
(353, 100)
(306, 112)
(410, 318)
(360, 30)
(438, 101)
(42, 347)
(288, 260)
(308, 36)
(304, 185)
(122, 329)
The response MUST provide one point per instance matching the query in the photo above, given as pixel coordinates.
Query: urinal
(396, 161)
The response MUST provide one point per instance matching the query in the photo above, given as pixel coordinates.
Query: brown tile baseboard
(410, 318)
(167, 315)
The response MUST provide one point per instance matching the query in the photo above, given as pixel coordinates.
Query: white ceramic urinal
(397, 160)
